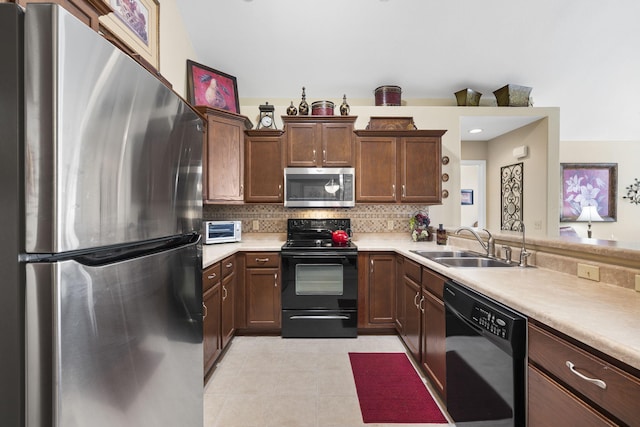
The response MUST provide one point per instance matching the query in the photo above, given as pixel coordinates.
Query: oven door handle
(315, 317)
(324, 257)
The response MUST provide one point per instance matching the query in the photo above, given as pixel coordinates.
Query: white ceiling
(580, 55)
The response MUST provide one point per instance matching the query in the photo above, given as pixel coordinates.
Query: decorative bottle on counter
(441, 235)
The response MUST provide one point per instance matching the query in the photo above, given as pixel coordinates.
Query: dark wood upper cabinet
(319, 141)
(264, 175)
(223, 156)
(399, 166)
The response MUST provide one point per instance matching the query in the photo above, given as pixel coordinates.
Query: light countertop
(603, 316)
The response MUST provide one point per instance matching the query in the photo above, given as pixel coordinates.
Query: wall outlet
(590, 272)
(638, 282)
(389, 225)
(255, 225)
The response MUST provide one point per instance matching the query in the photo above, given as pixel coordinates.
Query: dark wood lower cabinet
(412, 316)
(227, 303)
(262, 290)
(376, 291)
(212, 343)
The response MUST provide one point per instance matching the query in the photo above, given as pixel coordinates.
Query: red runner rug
(390, 390)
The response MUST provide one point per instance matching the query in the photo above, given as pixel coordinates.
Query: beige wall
(627, 155)
(175, 46)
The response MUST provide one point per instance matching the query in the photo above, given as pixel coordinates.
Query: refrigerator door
(112, 155)
(125, 345)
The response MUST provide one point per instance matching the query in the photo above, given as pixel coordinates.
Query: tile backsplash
(273, 218)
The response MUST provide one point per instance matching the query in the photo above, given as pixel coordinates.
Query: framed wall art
(137, 24)
(466, 197)
(588, 184)
(213, 88)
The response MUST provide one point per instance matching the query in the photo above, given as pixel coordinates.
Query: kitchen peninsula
(602, 316)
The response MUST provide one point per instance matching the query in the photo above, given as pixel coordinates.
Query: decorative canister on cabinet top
(322, 108)
(303, 108)
(388, 95)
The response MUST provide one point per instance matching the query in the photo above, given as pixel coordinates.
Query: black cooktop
(316, 234)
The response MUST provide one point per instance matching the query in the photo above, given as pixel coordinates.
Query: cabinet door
(224, 160)
(265, 173)
(302, 146)
(398, 285)
(381, 292)
(434, 357)
(263, 298)
(337, 144)
(420, 170)
(376, 169)
(434, 353)
(413, 316)
(211, 326)
(227, 311)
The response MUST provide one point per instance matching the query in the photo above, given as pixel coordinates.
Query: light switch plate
(590, 272)
(638, 282)
(390, 225)
(256, 225)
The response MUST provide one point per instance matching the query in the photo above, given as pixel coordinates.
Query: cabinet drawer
(552, 405)
(621, 392)
(262, 259)
(412, 270)
(433, 282)
(228, 265)
(210, 276)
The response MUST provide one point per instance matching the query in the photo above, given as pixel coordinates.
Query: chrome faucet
(524, 255)
(490, 246)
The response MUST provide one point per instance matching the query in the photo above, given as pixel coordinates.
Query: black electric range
(319, 281)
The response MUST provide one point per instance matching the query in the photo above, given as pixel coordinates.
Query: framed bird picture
(213, 88)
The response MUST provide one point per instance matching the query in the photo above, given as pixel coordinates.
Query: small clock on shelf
(266, 119)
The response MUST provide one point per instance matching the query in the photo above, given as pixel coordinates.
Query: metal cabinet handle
(324, 156)
(404, 190)
(224, 297)
(415, 300)
(279, 190)
(420, 307)
(204, 315)
(229, 265)
(393, 186)
(262, 259)
(212, 276)
(242, 189)
(314, 154)
(371, 270)
(594, 381)
(275, 282)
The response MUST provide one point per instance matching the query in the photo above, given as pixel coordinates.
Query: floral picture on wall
(588, 184)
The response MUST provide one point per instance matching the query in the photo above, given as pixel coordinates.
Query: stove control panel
(307, 224)
(490, 321)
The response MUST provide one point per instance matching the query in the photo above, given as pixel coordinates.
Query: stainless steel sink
(463, 259)
(474, 262)
(446, 254)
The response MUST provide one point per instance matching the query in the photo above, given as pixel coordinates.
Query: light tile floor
(271, 381)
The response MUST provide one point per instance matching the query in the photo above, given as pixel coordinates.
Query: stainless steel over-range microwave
(319, 187)
(222, 231)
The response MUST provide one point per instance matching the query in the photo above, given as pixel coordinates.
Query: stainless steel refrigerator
(100, 253)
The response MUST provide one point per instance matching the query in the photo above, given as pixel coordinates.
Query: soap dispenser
(441, 235)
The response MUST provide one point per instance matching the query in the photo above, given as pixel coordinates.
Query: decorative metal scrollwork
(511, 178)
(633, 193)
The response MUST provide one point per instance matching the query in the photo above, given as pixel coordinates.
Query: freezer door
(112, 155)
(125, 345)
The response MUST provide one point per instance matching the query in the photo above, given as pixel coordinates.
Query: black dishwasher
(486, 360)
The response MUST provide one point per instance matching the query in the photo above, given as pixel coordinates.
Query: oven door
(319, 281)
